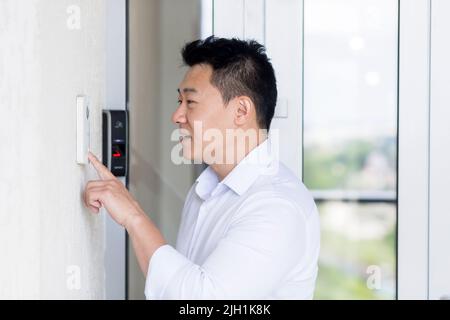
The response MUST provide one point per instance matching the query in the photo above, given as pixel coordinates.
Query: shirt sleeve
(265, 241)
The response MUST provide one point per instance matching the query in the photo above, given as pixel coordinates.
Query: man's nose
(179, 116)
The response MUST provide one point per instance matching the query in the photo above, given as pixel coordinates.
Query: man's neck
(222, 170)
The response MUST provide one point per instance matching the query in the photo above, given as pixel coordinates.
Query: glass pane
(350, 142)
(358, 241)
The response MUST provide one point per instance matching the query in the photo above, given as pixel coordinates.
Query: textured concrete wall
(50, 246)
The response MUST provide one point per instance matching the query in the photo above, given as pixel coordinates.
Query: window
(350, 142)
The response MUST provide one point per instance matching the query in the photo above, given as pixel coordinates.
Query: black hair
(239, 68)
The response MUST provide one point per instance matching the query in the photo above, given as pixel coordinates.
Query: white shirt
(255, 235)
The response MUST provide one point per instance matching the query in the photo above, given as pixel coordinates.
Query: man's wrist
(145, 236)
(133, 219)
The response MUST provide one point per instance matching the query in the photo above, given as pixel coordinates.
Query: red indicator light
(116, 154)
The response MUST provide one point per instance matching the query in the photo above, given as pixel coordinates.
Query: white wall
(47, 238)
(158, 30)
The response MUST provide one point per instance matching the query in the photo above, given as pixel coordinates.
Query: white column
(439, 272)
(413, 147)
(284, 42)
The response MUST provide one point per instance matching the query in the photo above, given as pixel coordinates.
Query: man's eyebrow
(187, 90)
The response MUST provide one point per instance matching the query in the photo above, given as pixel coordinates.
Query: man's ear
(244, 110)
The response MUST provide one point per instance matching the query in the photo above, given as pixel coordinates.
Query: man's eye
(179, 102)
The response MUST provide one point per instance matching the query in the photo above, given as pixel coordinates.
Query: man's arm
(111, 194)
(266, 240)
(146, 239)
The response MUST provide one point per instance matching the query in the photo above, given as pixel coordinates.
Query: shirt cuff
(164, 264)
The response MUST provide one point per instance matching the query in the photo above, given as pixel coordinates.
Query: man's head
(230, 85)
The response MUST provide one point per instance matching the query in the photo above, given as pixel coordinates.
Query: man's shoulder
(280, 182)
(283, 185)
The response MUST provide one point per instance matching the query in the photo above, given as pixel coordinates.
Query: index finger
(102, 171)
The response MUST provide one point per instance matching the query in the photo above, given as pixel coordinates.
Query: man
(249, 227)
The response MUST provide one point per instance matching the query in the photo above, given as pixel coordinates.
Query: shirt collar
(206, 183)
(241, 177)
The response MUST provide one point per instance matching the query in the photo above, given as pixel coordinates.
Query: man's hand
(110, 193)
